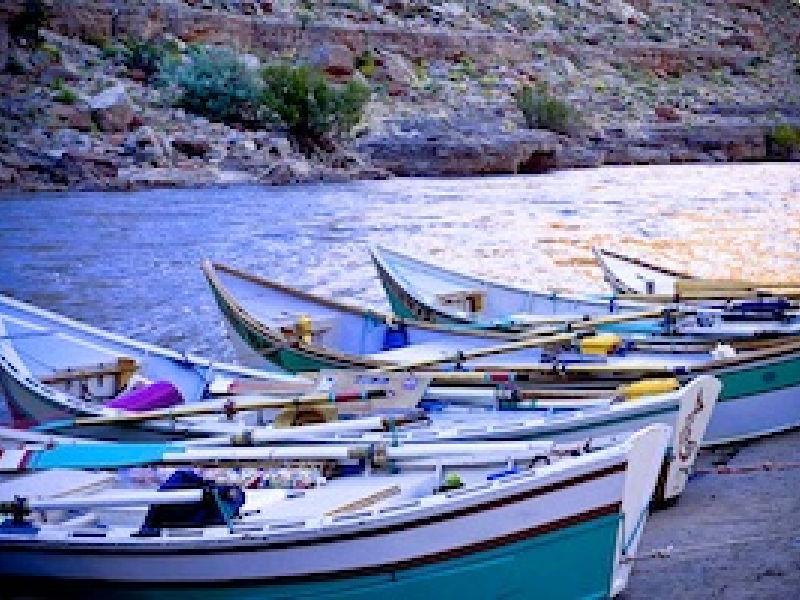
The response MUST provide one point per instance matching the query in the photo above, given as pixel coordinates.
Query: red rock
(335, 59)
(112, 110)
(667, 114)
(137, 74)
(7, 175)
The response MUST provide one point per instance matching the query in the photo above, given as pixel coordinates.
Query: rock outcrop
(649, 83)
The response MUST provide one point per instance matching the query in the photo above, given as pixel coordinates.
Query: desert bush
(314, 110)
(63, 94)
(786, 136)
(142, 55)
(783, 141)
(543, 111)
(214, 83)
(365, 63)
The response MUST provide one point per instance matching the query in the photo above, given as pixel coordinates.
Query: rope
(670, 551)
(756, 468)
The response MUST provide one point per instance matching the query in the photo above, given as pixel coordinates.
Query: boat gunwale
(386, 318)
(377, 249)
(617, 284)
(142, 346)
(552, 527)
(334, 358)
(610, 461)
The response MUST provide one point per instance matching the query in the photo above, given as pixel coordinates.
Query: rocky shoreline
(71, 117)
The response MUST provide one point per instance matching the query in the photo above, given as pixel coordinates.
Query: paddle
(526, 342)
(382, 391)
(713, 294)
(228, 406)
(112, 455)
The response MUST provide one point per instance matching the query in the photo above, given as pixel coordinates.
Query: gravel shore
(733, 535)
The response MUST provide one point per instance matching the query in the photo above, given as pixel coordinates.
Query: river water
(130, 262)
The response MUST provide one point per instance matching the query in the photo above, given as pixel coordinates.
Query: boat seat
(467, 301)
(103, 380)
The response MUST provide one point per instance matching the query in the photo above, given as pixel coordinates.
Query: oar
(111, 499)
(712, 294)
(321, 431)
(228, 406)
(513, 372)
(526, 342)
(116, 455)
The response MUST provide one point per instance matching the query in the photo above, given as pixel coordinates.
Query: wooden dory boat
(54, 370)
(632, 276)
(461, 523)
(36, 338)
(418, 289)
(760, 389)
(299, 331)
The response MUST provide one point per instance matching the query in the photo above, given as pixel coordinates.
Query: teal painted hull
(574, 562)
(760, 379)
(286, 359)
(399, 308)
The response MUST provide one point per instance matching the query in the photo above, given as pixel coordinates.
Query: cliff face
(653, 81)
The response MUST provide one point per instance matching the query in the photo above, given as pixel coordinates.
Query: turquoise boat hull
(569, 563)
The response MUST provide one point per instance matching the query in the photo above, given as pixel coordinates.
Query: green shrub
(111, 50)
(311, 108)
(142, 55)
(63, 93)
(51, 51)
(467, 66)
(786, 136)
(543, 111)
(365, 63)
(214, 83)
(26, 24)
(420, 70)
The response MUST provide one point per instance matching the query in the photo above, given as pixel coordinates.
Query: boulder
(68, 138)
(289, 170)
(251, 61)
(335, 59)
(7, 176)
(76, 116)
(59, 72)
(398, 69)
(146, 145)
(667, 114)
(622, 12)
(112, 109)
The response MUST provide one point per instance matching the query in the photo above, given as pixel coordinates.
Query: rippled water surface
(129, 262)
